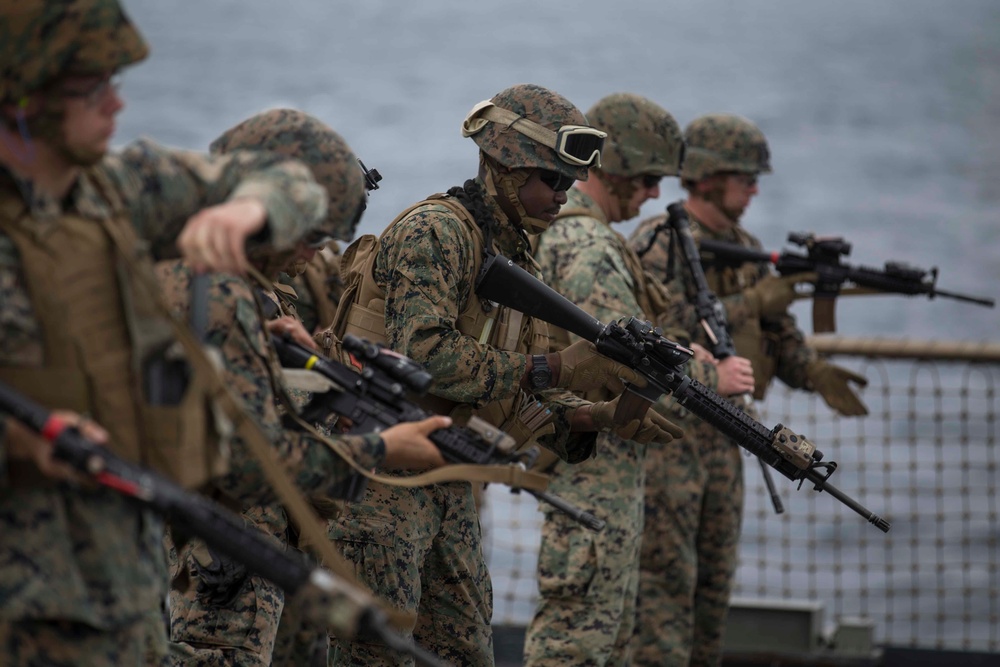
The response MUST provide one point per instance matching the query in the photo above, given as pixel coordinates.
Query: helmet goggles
(578, 145)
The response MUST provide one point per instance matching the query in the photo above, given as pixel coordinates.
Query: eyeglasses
(556, 181)
(650, 181)
(92, 90)
(578, 145)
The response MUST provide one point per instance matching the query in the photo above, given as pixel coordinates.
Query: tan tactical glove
(583, 368)
(830, 382)
(772, 295)
(653, 427)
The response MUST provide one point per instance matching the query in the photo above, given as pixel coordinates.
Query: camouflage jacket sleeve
(794, 355)
(425, 267)
(162, 188)
(235, 328)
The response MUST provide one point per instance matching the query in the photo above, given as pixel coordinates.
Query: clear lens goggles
(578, 145)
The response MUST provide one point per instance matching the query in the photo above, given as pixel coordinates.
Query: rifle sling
(511, 475)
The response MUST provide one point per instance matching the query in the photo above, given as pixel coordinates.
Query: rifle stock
(376, 398)
(325, 599)
(639, 346)
(823, 258)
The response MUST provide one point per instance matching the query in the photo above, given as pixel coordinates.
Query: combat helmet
(643, 138)
(529, 127)
(724, 142)
(43, 39)
(334, 166)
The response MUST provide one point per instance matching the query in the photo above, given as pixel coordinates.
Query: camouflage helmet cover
(724, 142)
(515, 150)
(298, 135)
(643, 138)
(42, 39)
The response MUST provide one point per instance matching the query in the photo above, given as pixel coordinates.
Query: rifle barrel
(978, 300)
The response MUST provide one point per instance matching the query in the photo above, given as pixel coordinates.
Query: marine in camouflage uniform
(422, 548)
(82, 570)
(317, 287)
(220, 613)
(588, 581)
(694, 503)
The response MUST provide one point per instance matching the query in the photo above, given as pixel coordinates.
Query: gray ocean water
(883, 117)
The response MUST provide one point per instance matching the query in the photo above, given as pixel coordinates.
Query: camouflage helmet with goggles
(334, 166)
(41, 40)
(724, 142)
(530, 127)
(643, 138)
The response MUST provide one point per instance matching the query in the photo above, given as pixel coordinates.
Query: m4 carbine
(823, 255)
(641, 347)
(376, 398)
(322, 597)
(711, 315)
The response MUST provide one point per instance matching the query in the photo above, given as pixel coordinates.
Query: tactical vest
(362, 313)
(98, 336)
(752, 341)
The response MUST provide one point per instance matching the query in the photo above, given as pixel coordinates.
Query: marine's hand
(653, 427)
(582, 368)
(286, 324)
(407, 446)
(25, 444)
(772, 295)
(703, 355)
(735, 376)
(214, 239)
(831, 382)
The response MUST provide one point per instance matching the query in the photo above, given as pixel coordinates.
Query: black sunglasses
(650, 181)
(556, 181)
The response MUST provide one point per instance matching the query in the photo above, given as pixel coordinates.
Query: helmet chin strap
(509, 184)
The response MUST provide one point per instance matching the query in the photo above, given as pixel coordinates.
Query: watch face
(541, 374)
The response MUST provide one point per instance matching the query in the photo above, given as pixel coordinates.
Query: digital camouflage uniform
(220, 614)
(231, 617)
(88, 558)
(694, 488)
(588, 581)
(421, 549)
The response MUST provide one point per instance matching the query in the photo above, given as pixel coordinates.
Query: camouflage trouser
(61, 643)
(421, 550)
(232, 619)
(298, 643)
(587, 581)
(694, 502)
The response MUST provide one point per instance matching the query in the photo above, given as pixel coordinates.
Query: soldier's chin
(734, 214)
(87, 157)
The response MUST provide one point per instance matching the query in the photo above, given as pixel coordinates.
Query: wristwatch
(540, 376)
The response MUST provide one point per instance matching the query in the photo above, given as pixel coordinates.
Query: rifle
(639, 346)
(823, 255)
(376, 398)
(325, 599)
(712, 316)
